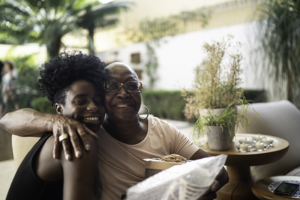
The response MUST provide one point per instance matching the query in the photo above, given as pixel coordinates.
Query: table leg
(239, 185)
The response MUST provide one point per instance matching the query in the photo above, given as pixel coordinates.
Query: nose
(122, 93)
(92, 107)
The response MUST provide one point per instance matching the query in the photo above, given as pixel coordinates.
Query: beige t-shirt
(121, 165)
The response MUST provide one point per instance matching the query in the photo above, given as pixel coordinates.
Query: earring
(147, 113)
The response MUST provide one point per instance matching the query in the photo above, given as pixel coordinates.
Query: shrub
(42, 104)
(164, 104)
(170, 104)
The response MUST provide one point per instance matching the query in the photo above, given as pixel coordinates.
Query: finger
(84, 139)
(215, 186)
(86, 129)
(56, 145)
(66, 147)
(75, 142)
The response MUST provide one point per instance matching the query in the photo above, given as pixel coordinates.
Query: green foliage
(46, 22)
(27, 86)
(153, 30)
(164, 104)
(255, 96)
(279, 37)
(170, 104)
(43, 105)
(151, 65)
(216, 85)
(228, 118)
(167, 26)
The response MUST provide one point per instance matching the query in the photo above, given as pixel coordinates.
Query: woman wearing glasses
(126, 139)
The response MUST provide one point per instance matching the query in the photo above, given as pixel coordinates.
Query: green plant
(47, 22)
(279, 38)
(216, 85)
(151, 65)
(227, 119)
(164, 104)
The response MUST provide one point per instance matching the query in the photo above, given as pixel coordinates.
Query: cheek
(107, 100)
(74, 113)
(102, 111)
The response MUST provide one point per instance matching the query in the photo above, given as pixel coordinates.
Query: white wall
(179, 55)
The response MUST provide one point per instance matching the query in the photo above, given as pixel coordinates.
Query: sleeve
(182, 145)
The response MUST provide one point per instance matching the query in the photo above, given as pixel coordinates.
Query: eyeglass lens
(130, 86)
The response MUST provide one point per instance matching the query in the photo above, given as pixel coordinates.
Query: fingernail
(87, 147)
(68, 157)
(78, 154)
(54, 156)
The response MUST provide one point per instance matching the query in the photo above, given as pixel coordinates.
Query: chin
(94, 128)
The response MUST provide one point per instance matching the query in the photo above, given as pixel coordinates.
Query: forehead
(80, 87)
(121, 72)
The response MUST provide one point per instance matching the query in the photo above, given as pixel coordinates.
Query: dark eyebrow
(80, 95)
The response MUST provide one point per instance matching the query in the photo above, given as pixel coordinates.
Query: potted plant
(216, 93)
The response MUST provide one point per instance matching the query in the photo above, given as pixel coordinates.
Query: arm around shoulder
(27, 122)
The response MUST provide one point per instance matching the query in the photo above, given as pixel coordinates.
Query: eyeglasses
(130, 86)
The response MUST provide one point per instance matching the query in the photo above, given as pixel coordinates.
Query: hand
(64, 125)
(220, 181)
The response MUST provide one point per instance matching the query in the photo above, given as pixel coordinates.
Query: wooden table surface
(260, 187)
(238, 165)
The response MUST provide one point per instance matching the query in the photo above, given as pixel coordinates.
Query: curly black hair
(61, 71)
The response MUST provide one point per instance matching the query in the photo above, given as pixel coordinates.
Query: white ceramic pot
(218, 139)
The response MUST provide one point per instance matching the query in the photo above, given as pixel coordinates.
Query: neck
(129, 132)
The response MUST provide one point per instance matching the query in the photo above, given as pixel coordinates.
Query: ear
(59, 108)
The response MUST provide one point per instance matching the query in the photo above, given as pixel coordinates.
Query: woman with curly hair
(73, 83)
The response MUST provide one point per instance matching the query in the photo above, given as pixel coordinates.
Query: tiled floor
(7, 168)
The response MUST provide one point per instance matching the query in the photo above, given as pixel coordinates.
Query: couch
(280, 119)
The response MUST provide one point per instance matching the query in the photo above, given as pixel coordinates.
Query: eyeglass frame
(123, 84)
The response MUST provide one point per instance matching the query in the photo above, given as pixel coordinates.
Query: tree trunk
(54, 47)
(91, 44)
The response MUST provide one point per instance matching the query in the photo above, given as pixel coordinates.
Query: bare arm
(78, 174)
(28, 122)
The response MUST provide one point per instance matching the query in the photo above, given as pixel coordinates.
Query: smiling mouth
(91, 118)
(122, 106)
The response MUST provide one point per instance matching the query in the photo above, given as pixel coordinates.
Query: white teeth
(91, 118)
(122, 106)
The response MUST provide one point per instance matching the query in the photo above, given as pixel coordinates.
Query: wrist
(50, 120)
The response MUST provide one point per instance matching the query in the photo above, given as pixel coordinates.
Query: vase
(218, 138)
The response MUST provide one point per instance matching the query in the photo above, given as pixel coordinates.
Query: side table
(260, 187)
(238, 166)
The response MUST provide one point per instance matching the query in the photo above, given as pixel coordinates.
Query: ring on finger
(63, 137)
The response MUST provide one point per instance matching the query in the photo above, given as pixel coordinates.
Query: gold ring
(63, 137)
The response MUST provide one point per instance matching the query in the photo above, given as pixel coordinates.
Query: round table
(260, 187)
(238, 165)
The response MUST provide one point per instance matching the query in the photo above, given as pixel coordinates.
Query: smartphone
(286, 189)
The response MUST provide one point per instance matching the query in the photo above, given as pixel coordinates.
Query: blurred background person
(9, 81)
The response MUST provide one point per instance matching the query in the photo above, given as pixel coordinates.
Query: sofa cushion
(280, 119)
